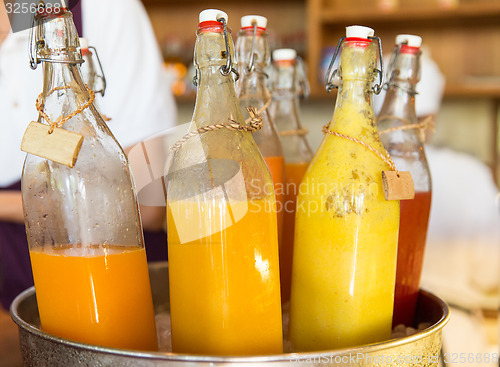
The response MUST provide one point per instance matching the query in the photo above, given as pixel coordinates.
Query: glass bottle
(83, 225)
(221, 220)
(287, 83)
(407, 151)
(344, 260)
(254, 55)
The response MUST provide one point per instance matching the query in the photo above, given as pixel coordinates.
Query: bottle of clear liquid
(254, 55)
(346, 233)
(288, 81)
(83, 225)
(221, 219)
(407, 151)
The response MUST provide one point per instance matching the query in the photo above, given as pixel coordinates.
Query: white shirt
(138, 97)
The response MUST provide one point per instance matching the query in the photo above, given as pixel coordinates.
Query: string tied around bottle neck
(426, 124)
(385, 157)
(254, 123)
(60, 121)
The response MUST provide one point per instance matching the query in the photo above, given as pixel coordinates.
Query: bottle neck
(252, 88)
(400, 97)
(285, 109)
(354, 98)
(216, 99)
(63, 88)
(399, 102)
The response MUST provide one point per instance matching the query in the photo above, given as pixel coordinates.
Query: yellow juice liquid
(276, 166)
(101, 298)
(346, 234)
(224, 285)
(294, 173)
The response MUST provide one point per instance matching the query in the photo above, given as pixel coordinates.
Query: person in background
(138, 100)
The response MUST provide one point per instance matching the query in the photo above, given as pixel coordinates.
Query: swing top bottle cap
(211, 15)
(247, 21)
(284, 54)
(409, 39)
(84, 43)
(358, 31)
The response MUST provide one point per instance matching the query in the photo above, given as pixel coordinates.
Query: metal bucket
(41, 349)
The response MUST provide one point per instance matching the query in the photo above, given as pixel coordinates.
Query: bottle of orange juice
(403, 142)
(346, 233)
(254, 55)
(288, 82)
(82, 220)
(221, 218)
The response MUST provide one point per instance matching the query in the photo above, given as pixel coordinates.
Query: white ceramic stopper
(284, 54)
(84, 43)
(409, 39)
(212, 15)
(359, 31)
(247, 21)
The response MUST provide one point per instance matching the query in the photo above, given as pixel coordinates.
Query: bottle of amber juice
(221, 219)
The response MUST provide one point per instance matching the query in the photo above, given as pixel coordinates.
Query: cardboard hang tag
(398, 186)
(60, 146)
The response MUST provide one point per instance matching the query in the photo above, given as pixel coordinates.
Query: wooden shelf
(421, 14)
(463, 40)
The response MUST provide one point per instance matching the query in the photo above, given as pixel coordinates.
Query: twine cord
(424, 125)
(294, 132)
(60, 121)
(254, 124)
(386, 158)
(261, 110)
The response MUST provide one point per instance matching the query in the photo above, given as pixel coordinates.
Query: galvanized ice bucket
(41, 349)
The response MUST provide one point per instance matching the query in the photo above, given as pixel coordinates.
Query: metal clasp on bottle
(377, 88)
(389, 76)
(101, 75)
(34, 45)
(224, 69)
(228, 68)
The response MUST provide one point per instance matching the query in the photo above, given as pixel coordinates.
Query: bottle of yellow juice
(221, 218)
(346, 233)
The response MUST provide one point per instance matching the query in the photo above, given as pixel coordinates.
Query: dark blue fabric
(77, 16)
(14, 258)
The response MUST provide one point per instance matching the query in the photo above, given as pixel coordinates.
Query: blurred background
(461, 36)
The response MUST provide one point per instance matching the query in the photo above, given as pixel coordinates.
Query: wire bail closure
(228, 68)
(101, 75)
(377, 88)
(251, 62)
(389, 76)
(224, 69)
(34, 46)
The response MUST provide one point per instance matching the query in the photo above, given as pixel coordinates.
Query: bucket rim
(368, 348)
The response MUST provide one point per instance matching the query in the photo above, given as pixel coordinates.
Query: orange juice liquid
(102, 297)
(276, 167)
(224, 285)
(293, 173)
